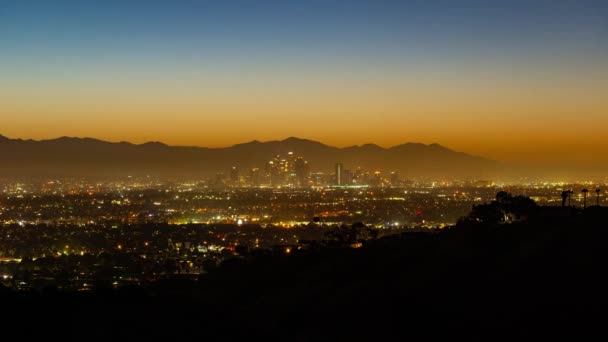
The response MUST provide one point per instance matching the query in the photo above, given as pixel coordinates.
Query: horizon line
(234, 144)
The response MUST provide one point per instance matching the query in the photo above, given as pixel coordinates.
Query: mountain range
(68, 156)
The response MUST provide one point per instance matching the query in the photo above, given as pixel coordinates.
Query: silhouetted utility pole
(585, 191)
(597, 191)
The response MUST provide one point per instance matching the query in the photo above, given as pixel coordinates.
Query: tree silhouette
(565, 195)
(503, 197)
(487, 213)
(585, 191)
(345, 234)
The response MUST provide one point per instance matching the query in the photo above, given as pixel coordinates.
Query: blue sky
(68, 66)
(116, 26)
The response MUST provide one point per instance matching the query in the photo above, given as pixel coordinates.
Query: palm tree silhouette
(565, 195)
(597, 191)
(585, 191)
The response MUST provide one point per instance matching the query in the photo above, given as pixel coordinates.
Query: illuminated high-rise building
(234, 176)
(347, 177)
(290, 171)
(338, 173)
(376, 179)
(395, 179)
(318, 179)
(302, 171)
(254, 177)
(273, 172)
(358, 176)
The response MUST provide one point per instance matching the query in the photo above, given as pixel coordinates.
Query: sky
(522, 81)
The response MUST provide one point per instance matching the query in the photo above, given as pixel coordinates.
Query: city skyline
(537, 169)
(303, 170)
(467, 76)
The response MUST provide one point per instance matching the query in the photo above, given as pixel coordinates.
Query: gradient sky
(510, 80)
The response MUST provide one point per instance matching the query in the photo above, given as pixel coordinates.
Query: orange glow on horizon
(494, 117)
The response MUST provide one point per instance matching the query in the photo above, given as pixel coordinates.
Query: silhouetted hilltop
(92, 157)
(481, 278)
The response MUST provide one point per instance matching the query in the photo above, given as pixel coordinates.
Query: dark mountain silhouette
(539, 277)
(67, 156)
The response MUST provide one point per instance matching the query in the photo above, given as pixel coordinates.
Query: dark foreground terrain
(543, 277)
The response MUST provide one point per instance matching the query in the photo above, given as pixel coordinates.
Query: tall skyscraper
(290, 171)
(347, 177)
(273, 170)
(339, 170)
(234, 176)
(395, 179)
(254, 177)
(302, 170)
(376, 179)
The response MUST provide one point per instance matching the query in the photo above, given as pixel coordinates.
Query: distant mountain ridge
(69, 156)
